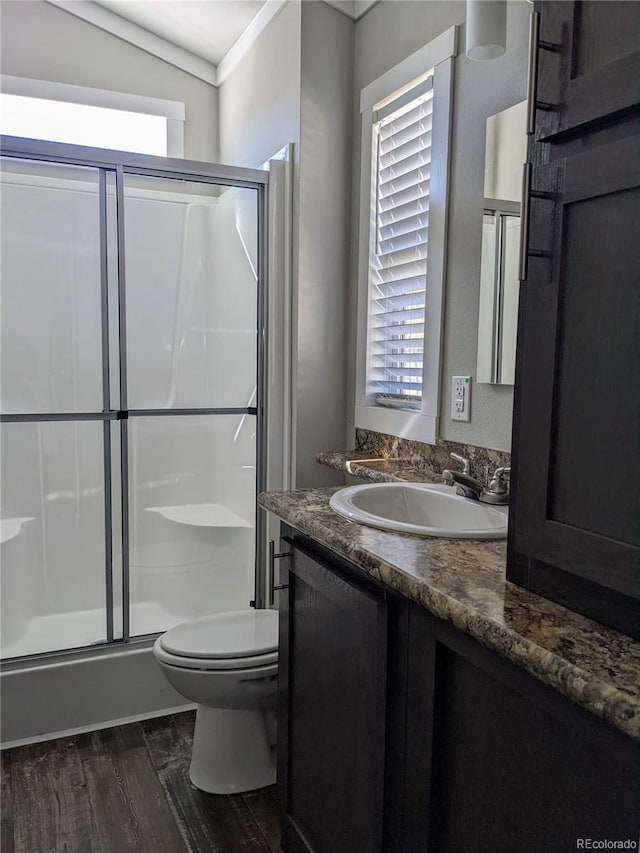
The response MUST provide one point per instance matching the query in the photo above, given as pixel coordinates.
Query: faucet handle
(497, 484)
(466, 467)
(497, 492)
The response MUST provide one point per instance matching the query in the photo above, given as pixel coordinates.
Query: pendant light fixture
(486, 28)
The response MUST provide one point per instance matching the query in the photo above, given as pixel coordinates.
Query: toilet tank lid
(232, 634)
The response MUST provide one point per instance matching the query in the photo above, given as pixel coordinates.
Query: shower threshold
(62, 631)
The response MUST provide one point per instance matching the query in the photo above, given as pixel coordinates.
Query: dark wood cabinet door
(574, 521)
(588, 65)
(500, 762)
(331, 729)
(510, 775)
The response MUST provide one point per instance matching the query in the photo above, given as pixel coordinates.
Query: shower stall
(132, 396)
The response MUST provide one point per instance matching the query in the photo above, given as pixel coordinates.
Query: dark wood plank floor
(125, 789)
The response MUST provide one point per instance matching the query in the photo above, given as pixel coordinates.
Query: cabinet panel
(509, 763)
(599, 355)
(508, 775)
(577, 404)
(574, 535)
(592, 71)
(608, 31)
(336, 711)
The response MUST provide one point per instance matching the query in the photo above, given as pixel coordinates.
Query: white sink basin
(422, 509)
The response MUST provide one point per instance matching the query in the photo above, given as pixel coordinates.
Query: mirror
(505, 152)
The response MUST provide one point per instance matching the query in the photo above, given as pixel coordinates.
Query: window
(38, 109)
(405, 161)
(398, 262)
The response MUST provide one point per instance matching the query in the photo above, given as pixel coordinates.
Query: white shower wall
(191, 303)
(51, 474)
(50, 290)
(191, 343)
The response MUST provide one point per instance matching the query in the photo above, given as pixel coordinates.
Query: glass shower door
(55, 500)
(191, 356)
(130, 397)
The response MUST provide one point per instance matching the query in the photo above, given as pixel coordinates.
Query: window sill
(414, 426)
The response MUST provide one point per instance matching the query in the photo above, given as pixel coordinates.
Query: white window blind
(398, 247)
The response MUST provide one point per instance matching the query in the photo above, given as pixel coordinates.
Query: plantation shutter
(398, 261)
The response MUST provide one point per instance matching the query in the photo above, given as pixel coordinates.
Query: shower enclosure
(132, 395)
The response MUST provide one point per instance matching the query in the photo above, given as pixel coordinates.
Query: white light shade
(486, 28)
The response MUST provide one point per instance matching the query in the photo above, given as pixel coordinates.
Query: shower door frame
(119, 164)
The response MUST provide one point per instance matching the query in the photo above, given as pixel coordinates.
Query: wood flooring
(126, 789)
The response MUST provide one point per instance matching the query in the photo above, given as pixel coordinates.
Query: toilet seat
(213, 664)
(237, 639)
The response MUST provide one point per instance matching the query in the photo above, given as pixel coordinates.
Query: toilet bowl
(227, 664)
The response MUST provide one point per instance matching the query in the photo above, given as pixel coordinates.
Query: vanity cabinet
(574, 535)
(400, 733)
(331, 708)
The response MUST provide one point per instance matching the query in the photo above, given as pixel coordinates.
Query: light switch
(460, 398)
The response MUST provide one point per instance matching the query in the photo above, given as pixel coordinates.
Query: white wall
(46, 43)
(390, 31)
(294, 85)
(324, 227)
(260, 100)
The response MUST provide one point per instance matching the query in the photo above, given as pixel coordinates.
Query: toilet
(227, 664)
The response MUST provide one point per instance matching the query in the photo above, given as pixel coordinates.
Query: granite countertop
(359, 463)
(463, 582)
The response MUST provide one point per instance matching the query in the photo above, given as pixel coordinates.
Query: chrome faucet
(466, 485)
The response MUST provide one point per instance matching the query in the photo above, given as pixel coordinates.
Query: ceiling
(207, 38)
(206, 28)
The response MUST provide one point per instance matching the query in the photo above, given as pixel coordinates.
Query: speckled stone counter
(463, 582)
(361, 464)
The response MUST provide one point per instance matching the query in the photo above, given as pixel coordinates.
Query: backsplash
(436, 456)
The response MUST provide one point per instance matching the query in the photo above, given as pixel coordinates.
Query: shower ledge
(201, 515)
(11, 527)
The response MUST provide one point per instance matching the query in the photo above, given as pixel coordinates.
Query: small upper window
(76, 115)
(81, 124)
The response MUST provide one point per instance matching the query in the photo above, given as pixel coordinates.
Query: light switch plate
(460, 398)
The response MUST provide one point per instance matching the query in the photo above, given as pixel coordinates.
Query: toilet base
(231, 751)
